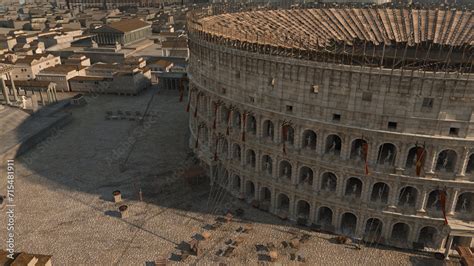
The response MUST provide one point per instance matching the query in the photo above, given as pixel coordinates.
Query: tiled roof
(127, 25)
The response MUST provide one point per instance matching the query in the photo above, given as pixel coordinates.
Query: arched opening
(309, 140)
(400, 233)
(470, 165)
(236, 183)
(357, 152)
(251, 124)
(306, 176)
(333, 145)
(373, 230)
(267, 163)
(236, 154)
(387, 153)
(324, 216)
(433, 203)
(290, 134)
(380, 193)
(353, 187)
(446, 161)
(302, 209)
(249, 190)
(268, 129)
(465, 202)
(348, 224)
(251, 160)
(285, 170)
(328, 181)
(428, 236)
(283, 203)
(236, 119)
(265, 194)
(407, 197)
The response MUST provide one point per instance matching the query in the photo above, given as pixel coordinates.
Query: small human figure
(270, 131)
(388, 158)
(309, 141)
(445, 162)
(407, 198)
(332, 148)
(286, 171)
(328, 184)
(464, 205)
(435, 203)
(354, 189)
(380, 194)
(359, 153)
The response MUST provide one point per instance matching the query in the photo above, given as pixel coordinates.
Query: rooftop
(320, 27)
(127, 25)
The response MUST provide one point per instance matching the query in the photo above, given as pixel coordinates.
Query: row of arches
(407, 196)
(446, 160)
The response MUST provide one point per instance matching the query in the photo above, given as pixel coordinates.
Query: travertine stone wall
(327, 110)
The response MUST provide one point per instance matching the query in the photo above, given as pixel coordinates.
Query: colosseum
(352, 120)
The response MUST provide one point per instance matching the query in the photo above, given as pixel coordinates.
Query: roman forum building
(357, 120)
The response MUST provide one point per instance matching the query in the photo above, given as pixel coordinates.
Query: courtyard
(64, 204)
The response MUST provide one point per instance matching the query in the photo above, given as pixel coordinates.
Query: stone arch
(407, 197)
(324, 216)
(353, 187)
(373, 230)
(251, 126)
(400, 233)
(380, 192)
(236, 183)
(428, 235)
(433, 202)
(309, 140)
(290, 134)
(285, 169)
(249, 189)
(357, 152)
(251, 158)
(305, 176)
(268, 130)
(387, 153)
(465, 203)
(267, 164)
(446, 161)
(333, 145)
(470, 165)
(328, 181)
(303, 209)
(348, 224)
(236, 116)
(236, 152)
(265, 194)
(283, 203)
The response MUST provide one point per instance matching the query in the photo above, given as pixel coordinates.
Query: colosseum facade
(361, 140)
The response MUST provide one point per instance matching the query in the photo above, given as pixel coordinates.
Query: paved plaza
(64, 197)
